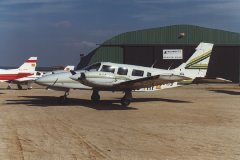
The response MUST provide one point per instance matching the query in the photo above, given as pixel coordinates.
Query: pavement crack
(19, 145)
(93, 151)
(15, 142)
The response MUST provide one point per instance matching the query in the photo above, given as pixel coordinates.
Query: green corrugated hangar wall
(143, 47)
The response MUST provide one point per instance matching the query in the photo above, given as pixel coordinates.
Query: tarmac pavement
(192, 122)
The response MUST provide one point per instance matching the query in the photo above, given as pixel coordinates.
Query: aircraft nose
(41, 80)
(46, 80)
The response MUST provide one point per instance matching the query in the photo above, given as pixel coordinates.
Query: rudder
(29, 65)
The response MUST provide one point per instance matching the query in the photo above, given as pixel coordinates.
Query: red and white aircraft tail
(29, 65)
(25, 70)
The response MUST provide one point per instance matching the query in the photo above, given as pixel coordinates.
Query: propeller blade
(82, 77)
(73, 72)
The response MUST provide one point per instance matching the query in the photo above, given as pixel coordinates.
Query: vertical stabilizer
(29, 65)
(197, 64)
(200, 59)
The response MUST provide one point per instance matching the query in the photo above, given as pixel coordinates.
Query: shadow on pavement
(226, 92)
(159, 99)
(47, 101)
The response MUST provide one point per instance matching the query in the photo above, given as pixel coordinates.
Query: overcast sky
(57, 31)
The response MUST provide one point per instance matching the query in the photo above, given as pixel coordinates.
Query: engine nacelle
(96, 79)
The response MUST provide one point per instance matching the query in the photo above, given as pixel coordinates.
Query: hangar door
(137, 55)
(224, 63)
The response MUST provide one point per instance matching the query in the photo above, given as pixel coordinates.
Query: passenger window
(107, 69)
(122, 71)
(137, 73)
(149, 74)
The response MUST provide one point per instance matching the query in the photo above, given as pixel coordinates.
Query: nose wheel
(127, 98)
(63, 99)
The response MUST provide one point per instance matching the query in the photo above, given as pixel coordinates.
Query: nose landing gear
(63, 99)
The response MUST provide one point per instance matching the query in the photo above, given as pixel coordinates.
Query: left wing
(150, 81)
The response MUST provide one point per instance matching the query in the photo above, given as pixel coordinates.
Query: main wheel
(63, 99)
(19, 87)
(95, 96)
(125, 101)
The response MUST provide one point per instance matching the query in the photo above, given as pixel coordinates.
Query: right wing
(150, 81)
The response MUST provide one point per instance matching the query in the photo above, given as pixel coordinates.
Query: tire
(125, 101)
(19, 87)
(95, 98)
(63, 100)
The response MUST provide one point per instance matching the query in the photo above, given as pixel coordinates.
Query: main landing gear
(9, 86)
(95, 96)
(19, 87)
(63, 99)
(125, 101)
(127, 98)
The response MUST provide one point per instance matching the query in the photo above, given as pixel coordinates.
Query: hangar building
(145, 47)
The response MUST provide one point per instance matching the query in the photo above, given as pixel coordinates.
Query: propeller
(78, 77)
(73, 72)
(82, 77)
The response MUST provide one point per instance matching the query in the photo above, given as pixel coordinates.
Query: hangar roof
(187, 35)
(176, 34)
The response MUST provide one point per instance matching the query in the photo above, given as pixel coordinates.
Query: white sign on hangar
(172, 54)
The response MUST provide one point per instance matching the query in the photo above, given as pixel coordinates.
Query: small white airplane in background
(20, 75)
(67, 68)
(25, 80)
(107, 76)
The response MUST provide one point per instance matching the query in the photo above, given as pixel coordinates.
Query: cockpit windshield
(93, 67)
(106, 68)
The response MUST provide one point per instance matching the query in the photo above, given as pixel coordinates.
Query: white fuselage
(12, 74)
(105, 74)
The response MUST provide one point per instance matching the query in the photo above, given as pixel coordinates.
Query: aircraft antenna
(154, 63)
(170, 66)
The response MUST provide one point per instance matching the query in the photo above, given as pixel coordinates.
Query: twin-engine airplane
(25, 74)
(107, 76)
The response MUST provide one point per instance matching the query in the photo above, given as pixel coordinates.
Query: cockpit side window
(138, 73)
(94, 67)
(122, 71)
(106, 68)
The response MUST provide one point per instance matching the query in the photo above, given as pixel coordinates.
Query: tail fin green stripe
(198, 59)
